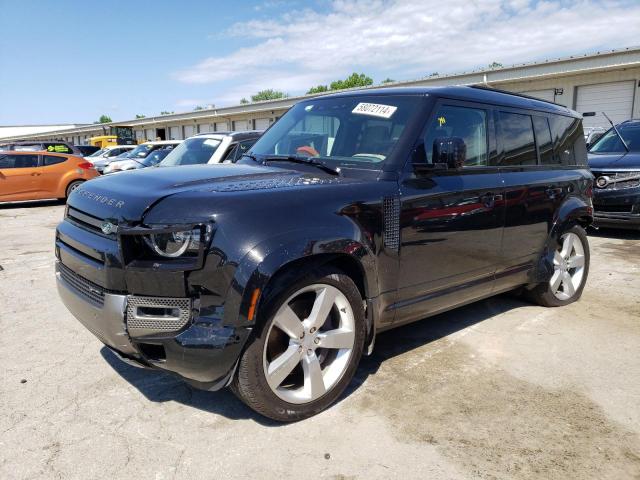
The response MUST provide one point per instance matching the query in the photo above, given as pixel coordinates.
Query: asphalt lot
(497, 389)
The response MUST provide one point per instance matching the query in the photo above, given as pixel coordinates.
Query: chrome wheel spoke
(567, 246)
(322, 307)
(576, 261)
(313, 382)
(557, 258)
(282, 366)
(287, 321)
(555, 281)
(567, 285)
(336, 339)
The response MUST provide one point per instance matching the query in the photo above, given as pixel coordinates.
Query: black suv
(352, 214)
(615, 162)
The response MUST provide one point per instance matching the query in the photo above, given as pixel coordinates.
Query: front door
(19, 176)
(451, 221)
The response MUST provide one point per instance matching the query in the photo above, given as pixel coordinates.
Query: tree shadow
(158, 386)
(31, 204)
(618, 233)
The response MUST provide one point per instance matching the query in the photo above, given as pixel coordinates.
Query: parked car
(106, 155)
(354, 213)
(38, 146)
(124, 163)
(138, 154)
(32, 175)
(87, 150)
(593, 134)
(615, 162)
(212, 148)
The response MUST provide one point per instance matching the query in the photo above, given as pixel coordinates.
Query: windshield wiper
(624, 144)
(304, 161)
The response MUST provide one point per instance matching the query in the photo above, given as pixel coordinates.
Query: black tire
(543, 294)
(250, 383)
(71, 187)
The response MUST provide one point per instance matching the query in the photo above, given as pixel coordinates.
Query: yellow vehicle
(117, 135)
(104, 141)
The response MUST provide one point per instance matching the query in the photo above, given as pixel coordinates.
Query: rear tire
(571, 269)
(307, 349)
(72, 186)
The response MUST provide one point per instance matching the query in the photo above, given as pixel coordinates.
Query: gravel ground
(497, 389)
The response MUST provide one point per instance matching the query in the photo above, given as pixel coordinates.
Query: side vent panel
(391, 212)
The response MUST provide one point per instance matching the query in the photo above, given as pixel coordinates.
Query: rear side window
(543, 139)
(18, 161)
(517, 138)
(469, 124)
(568, 140)
(53, 160)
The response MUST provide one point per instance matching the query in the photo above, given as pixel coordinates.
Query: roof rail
(479, 86)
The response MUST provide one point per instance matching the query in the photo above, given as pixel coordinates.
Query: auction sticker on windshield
(375, 110)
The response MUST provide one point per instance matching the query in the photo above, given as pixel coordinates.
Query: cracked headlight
(174, 244)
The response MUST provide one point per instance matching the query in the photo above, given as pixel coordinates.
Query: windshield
(358, 131)
(193, 151)
(140, 151)
(155, 157)
(610, 142)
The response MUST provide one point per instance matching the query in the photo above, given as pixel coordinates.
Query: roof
(162, 142)
(478, 94)
(233, 134)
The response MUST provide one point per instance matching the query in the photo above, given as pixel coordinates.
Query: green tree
(494, 65)
(318, 89)
(434, 74)
(387, 80)
(268, 94)
(140, 115)
(244, 101)
(198, 107)
(104, 119)
(352, 81)
(164, 112)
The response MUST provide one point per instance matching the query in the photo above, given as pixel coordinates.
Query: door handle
(35, 174)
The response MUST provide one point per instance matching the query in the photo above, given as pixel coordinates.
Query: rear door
(451, 221)
(19, 176)
(54, 168)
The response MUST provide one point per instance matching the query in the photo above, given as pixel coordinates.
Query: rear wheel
(570, 270)
(307, 352)
(72, 186)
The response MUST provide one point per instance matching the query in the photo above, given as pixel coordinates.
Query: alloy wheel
(568, 267)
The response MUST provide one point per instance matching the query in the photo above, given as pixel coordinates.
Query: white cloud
(409, 38)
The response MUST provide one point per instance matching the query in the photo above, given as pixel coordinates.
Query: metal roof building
(594, 82)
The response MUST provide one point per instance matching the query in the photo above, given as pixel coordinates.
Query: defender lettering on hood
(112, 202)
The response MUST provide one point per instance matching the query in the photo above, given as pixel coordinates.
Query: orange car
(38, 175)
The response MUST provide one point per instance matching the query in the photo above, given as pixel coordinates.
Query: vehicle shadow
(159, 386)
(31, 204)
(620, 233)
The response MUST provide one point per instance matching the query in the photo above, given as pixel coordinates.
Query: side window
(231, 153)
(543, 139)
(114, 152)
(568, 140)
(517, 137)
(243, 147)
(469, 124)
(53, 160)
(18, 161)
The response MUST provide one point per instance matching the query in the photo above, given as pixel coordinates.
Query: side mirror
(450, 151)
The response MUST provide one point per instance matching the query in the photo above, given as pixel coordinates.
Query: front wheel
(570, 270)
(72, 186)
(307, 351)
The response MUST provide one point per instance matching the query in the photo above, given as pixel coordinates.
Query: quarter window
(53, 160)
(469, 124)
(568, 139)
(517, 137)
(18, 161)
(543, 139)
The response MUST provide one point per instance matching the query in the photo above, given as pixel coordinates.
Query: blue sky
(75, 61)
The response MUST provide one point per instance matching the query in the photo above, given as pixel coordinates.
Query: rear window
(57, 148)
(517, 138)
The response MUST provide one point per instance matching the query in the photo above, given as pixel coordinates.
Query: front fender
(264, 260)
(574, 210)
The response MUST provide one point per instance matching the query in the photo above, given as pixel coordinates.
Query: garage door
(150, 134)
(174, 133)
(204, 128)
(240, 125)
(548, 95)
(261, 123)
(221, 126)
(615, 99)
(189, 131)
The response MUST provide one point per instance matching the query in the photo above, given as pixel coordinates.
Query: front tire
(570, 271)
(306, 351)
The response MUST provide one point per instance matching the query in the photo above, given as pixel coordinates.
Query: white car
(106, 155)
(144, 155)
(211, 148)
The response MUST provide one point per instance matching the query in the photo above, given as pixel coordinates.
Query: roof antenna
(624, 144)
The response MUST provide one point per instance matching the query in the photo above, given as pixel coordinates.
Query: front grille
(88, 290)
(613, 208)
(84, 220)
(617, 180)
(146, 315)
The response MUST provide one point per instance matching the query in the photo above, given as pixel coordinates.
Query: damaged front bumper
(174, 335)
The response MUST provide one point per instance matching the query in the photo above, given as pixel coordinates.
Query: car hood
(126, 197)
(608, 161)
